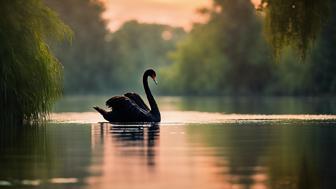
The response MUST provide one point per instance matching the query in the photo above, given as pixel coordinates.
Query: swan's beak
(155, 81)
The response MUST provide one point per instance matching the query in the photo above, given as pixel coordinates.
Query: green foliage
(317, 74)
(135, 47)
(99, 61)
(87, 55)
(225, 55)
(294, 23)
(197, 63)
(290, 75)
(30, 76)
(228, 55)
(322, 78)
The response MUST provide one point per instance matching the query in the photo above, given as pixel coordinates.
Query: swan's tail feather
(100, 110)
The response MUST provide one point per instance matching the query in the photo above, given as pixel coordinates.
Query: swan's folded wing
(125, 109)
(137, 99)
(119, 102)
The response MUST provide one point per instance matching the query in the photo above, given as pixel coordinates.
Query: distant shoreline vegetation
(227, 55)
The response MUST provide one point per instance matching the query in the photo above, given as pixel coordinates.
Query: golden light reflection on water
(187, 117)
(151, 158)
(166, 157)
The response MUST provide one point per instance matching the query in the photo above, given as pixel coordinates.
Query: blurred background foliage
(230, 54)
(226, 55)
(99, 61)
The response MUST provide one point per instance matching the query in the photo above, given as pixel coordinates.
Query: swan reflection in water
(134, 140)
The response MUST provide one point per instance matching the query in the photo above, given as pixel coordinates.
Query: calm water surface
(201, 143)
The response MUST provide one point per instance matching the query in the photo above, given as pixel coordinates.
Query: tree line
(99, 61)
(233, 54)
(229, 54)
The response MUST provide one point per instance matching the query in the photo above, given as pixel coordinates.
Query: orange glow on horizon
(170, 12)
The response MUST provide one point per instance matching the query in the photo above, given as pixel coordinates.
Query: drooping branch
(294, 23)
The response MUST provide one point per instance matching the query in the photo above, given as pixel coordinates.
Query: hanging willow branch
(294, 23)
(30, 76)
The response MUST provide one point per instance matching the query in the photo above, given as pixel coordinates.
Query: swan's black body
(131, 108)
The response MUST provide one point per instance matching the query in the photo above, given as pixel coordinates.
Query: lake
(202, 142)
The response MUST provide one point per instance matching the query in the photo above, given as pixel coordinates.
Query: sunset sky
(172, 12)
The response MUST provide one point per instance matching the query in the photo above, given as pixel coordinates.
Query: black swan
(131, 108)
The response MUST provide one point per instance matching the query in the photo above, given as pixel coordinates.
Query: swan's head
(151, 73)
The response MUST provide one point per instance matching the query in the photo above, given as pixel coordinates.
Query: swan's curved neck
(151, 100)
